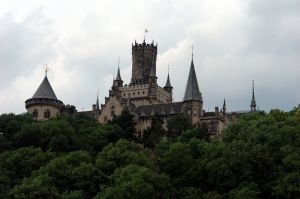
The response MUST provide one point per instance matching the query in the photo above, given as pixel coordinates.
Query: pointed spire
(253, 101)
(192, 91)
(168, 83)
(97, 102)
(118, 77)
(224, 106)
(45, 90)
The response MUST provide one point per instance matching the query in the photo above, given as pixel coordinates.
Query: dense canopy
(258, 156)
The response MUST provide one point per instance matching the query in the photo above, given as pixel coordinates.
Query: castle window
(143, 92)
(47, 114)
(35, 113)
(112, 113)
(138, 93)
(133, 93)
(124, 94)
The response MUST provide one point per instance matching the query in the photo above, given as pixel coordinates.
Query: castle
(143, 97)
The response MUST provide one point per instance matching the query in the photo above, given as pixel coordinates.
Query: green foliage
(154, 134)
(127, 124)
(177, 124)
(35, 188)
(135, 182)
(121, 154)
(10, 124)
(258, 156)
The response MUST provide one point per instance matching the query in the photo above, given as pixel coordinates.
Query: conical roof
(118, 78)
(253, 101)
(192, 91)
(168, 83)
(97, 103)
(45, 90)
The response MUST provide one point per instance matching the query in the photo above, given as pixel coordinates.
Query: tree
(121, 154)
(35, 188)
(127, 124)
(21, 162)
(177, 125)
(134, 182)
(154, 134)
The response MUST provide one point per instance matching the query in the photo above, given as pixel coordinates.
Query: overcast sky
(234, 42)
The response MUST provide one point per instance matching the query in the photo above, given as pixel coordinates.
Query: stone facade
(145, 98)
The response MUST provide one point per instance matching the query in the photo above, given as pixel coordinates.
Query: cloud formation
(234, 42)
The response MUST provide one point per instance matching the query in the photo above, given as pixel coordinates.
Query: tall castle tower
(143, 61)
(192, 101)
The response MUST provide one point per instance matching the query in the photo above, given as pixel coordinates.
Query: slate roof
(118, 75)
(168, 83)
(45, 90)
(160, 109)
(192, 92)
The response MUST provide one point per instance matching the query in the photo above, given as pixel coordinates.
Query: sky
(81, 41)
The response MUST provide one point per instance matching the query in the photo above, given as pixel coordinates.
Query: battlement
(141, 46)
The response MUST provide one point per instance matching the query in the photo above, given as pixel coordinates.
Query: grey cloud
(251, 39)
(25, 45)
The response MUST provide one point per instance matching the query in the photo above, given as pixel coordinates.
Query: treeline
(258, 156)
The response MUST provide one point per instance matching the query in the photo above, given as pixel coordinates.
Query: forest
(257, 156)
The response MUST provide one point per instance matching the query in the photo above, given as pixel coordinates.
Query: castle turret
(168, 87)
(192, 101)
(143, 59)
(253, 101)
(44, 103)
(224, 107)
(118, 82)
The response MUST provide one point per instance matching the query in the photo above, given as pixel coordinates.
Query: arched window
(47, 114)
(35, 113)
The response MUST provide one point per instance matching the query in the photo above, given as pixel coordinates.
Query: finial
(168, 68)
(46, 70)
(119, 62)
(192, 51)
